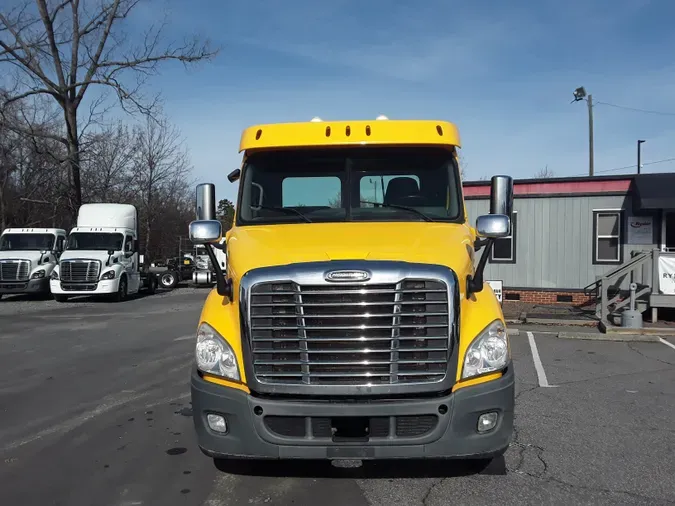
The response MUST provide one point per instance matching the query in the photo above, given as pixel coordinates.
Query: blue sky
(503, 71)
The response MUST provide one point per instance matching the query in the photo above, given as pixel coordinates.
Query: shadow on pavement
(381, 469)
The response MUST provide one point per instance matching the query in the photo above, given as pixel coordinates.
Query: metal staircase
(611, 292)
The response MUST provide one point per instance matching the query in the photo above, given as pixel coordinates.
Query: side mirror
(111, 252)
(205, 231)
(493, 226)
(501, 195)
(205, 202)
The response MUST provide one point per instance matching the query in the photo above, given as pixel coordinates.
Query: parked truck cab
(101, 257)
(351, 320)
(27, 258)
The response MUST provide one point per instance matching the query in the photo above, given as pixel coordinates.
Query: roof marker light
(316, 119)
(381, 117)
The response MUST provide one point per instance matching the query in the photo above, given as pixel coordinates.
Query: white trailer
(102, 255)
(27, 258)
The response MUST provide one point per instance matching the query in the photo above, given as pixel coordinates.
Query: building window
(504, 249)
(607, 237)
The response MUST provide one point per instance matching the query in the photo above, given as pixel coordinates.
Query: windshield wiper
(405, 208)
(287, 210)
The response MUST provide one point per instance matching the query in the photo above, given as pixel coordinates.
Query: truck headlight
(55, 275)
(39, 274)
(108, 275)
(488, 352)
(214, 355)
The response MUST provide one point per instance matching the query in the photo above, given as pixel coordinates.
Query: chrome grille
(350, 334)
(14, 270)
(80, 271)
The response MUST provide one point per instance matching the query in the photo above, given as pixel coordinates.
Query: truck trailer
(351, 319)
(102, 255)
(28, 257)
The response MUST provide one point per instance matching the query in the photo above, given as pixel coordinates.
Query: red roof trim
(571, 188)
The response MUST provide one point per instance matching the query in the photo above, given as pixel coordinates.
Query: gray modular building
(567, 233)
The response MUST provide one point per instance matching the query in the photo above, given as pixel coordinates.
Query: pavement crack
(576, 486)
(527, 390)
(630, 345)
(431, 489)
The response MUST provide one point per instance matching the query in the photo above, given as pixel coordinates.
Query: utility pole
(639, 161)
(590, 135)
(580, 94)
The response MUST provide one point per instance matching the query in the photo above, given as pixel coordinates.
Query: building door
(668, 231)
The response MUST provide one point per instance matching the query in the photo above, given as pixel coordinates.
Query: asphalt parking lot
(95, 410)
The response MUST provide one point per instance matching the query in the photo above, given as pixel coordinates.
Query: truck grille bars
(344, 334)
(14, 270)
(80, 271)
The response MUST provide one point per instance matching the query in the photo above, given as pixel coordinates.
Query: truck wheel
(61, 298)
(168, 280)
(121, 291)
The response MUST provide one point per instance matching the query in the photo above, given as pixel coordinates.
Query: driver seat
(399, 189)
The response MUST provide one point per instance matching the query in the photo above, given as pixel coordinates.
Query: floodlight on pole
(580, 94)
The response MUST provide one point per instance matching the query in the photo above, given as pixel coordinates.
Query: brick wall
(535, 297)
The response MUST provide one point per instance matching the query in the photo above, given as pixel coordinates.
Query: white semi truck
(27, 258)
(101, 256)
(205, 273)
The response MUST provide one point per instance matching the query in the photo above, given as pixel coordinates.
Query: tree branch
(49, 28)
(101, 45)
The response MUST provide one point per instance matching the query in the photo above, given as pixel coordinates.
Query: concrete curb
(560, 321)
(653, 331)
(610, 337)
(512, 332)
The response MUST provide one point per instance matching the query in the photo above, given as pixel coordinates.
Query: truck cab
(101, 256)
(351, 320)
(27, 258)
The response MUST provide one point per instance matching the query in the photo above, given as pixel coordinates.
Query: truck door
(130, 264)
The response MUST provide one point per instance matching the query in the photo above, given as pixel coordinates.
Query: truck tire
(168, 280)
(61, 298)
(122, 290)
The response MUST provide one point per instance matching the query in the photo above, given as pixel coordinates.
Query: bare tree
(108, 164)
(544, 173)
(462, 164)
(61, 49)
(161, 169)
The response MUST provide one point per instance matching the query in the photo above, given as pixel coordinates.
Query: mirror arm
(479, 243)
(474, 284)
(223, 286)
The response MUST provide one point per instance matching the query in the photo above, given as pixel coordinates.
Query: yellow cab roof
(344, 133)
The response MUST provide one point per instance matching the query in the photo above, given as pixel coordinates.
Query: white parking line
(185, 338)
(667, 343)
(541, 375)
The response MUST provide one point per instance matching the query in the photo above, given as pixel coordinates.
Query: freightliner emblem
(347, 275)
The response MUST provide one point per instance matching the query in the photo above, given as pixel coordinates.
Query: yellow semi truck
(351, 320)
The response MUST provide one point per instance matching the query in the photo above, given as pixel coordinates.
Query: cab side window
(128, 244)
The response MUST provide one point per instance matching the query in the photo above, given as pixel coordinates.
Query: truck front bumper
(441, 427)
(103, 287)
(30, 286)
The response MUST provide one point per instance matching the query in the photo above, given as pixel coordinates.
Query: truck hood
(87, 255)
(446, 244)
(33, 256)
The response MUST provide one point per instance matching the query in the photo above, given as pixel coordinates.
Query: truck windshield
(350, 184)
(95, 241)
(27, 242)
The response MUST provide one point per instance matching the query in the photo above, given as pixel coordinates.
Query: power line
(636, 109)
(615, 169)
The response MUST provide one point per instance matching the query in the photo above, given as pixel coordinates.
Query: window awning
(655, 191)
